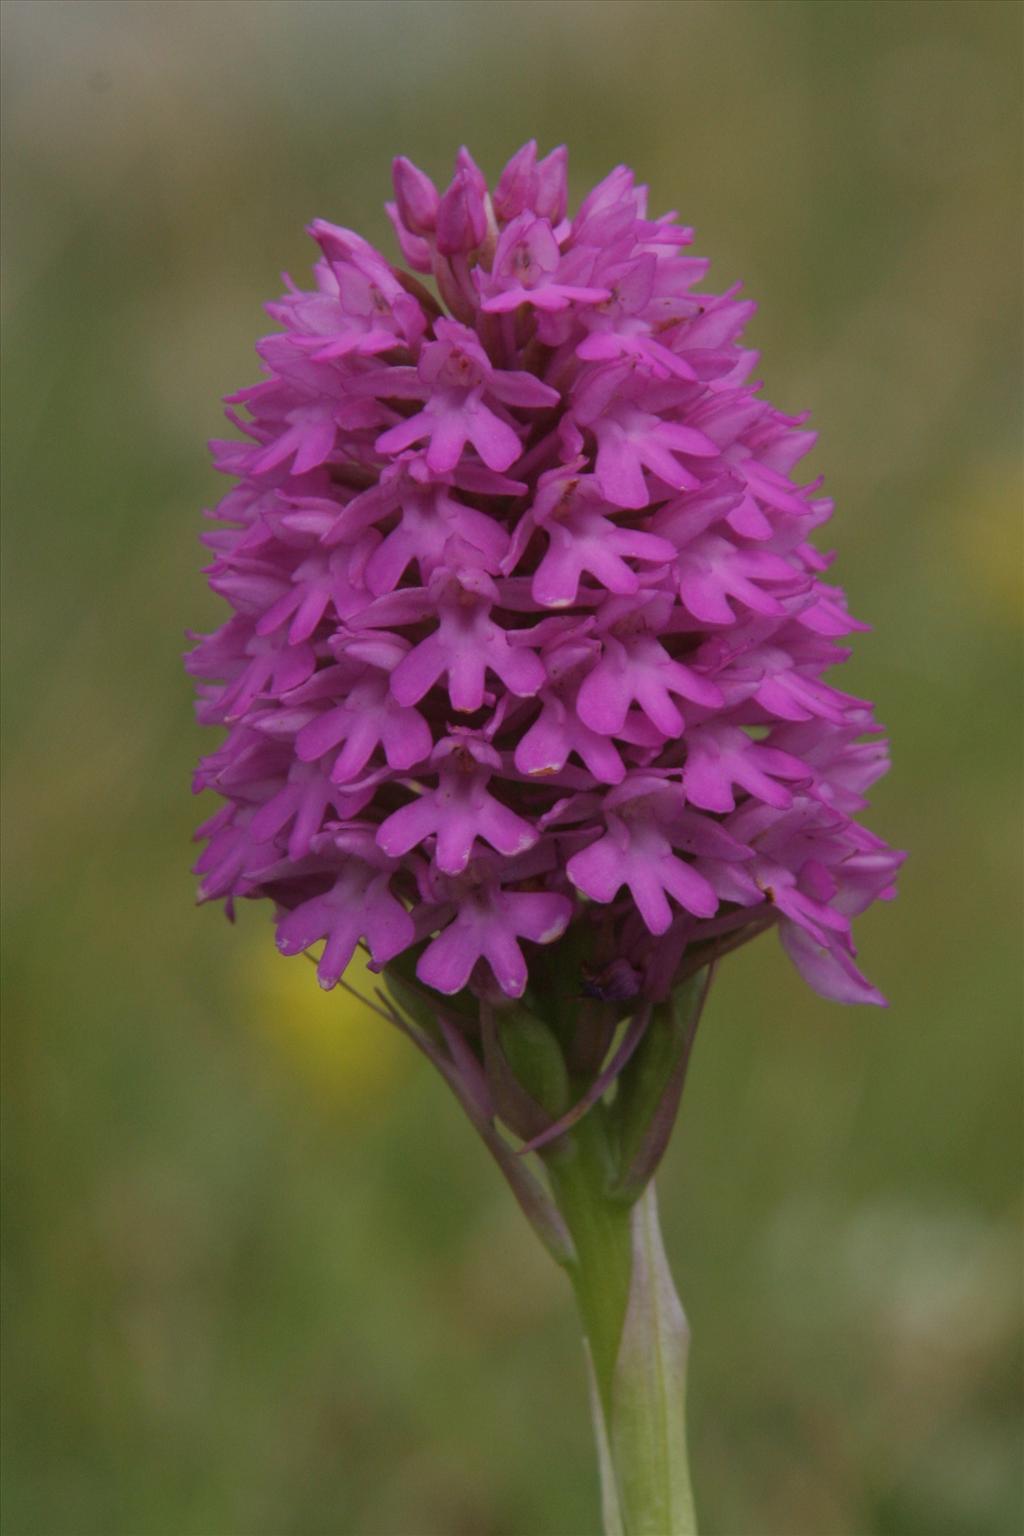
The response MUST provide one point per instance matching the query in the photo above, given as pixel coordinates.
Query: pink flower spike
(523, 580)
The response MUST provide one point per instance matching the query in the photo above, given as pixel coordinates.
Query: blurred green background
(259, 1278)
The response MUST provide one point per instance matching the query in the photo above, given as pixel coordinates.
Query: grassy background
(259, 1280)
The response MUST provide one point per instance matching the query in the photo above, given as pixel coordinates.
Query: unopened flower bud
(461, 217)
(416, 197)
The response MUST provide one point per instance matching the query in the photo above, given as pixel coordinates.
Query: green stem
(636, 1338)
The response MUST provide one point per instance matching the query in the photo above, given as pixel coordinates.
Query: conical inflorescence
(528, 633)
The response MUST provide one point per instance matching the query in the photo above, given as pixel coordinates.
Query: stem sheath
(636, 1339)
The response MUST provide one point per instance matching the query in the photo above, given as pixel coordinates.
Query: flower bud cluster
(528, 630)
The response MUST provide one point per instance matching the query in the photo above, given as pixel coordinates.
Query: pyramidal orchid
(525, 687)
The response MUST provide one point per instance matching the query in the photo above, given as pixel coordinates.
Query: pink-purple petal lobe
(832, 973)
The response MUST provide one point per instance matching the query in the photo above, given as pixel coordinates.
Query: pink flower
(358, 905)
(488, 923)
(458, 812)
(529, 269)
(529, 632)
(575, 517)
(453, 378)
(636, 851)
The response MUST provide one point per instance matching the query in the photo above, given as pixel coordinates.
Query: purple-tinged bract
(528, 635)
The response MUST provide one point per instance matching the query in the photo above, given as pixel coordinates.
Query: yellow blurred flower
(345, 1054)
(987, 535)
